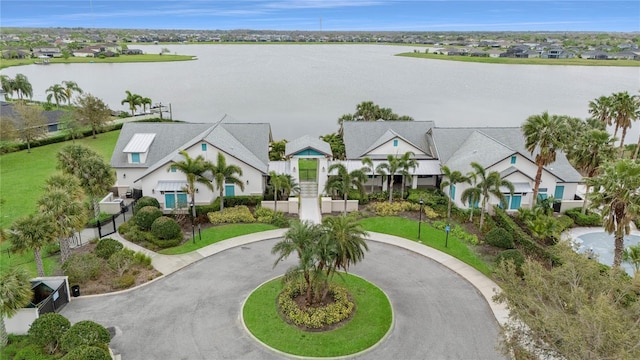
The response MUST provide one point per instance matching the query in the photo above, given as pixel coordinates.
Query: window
(204, 147)
(559, 193)
(173, 169)
(135, 158)
(513, 159)
(395, 142)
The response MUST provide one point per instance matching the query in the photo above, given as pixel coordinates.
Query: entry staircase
(308, 189)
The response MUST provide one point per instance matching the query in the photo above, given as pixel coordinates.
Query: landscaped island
(116, 59)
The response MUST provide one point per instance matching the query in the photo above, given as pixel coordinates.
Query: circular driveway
(195, 313)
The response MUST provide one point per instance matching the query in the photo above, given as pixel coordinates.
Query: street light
(420, 221)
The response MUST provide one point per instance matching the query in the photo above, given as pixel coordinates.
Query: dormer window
(138, 147)
(135, 158)
(513, 159)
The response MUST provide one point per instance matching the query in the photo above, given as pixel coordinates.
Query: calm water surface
(304, 89)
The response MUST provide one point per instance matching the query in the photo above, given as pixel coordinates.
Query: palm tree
(407, 162)
(7, 86)
(344, 181)
(15, 293)
(349, 239)
(33, 232)
(134, 100)
(625, 109)
(144, 102)
(66, 209)
(22, 86)
(57, 92)
(631, 255)
(590, 151)
(618, 199)
(472, 196)
(454, 177)
(225, 174)
(276, 181)
(194, 169)
(490, 184)
(69, 88)
(390, 167)
(289, 186)
(600, 109)
(368, 167)
(546, 134)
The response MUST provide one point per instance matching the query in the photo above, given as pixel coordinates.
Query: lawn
(368, 325)
(432, 237)
(118, 59)
(533, 61)
(215, 234)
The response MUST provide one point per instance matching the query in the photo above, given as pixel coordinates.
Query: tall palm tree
(407, 163)
(343, 181)
(225, 174)
(391, 168)
(57, 92)
(22, 86)
(7, 86)
(349, 239)
(590, 151)
(69, 88)
(276, 181)
(62, 205)
(368, 167)
(134, 100)
(453, 178)
(33, 232)
(144, 102)
(618, 200)
(546, 134)
(472, 196)
(489, 184)
(15, 293)
(600, 109)
(194, 169)
(631, 255)
(625, 109)
(289, 186)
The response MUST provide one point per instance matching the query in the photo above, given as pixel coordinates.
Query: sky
(327, 15)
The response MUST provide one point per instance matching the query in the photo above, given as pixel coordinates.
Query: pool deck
(575, 232)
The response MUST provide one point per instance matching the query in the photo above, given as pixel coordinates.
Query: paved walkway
(310, 210)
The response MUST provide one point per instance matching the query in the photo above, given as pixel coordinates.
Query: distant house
(595, 55)
(626, 55)
(494, 53)
(53, 117)
(479, 53)
(132, 52)
(84, 52)
(557, 53)
(47, 51)
(15, 53)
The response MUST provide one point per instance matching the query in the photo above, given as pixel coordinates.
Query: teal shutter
(559, 192)
(169, 201)
(182, 200)
(515, 202)
(229, 190)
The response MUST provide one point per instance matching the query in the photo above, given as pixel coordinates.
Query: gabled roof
(480, 148)
(359, 136)
(307, 142)
(504, 140)
(512, 170)
(139, 143)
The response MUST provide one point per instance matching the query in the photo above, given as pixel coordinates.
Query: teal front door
(515, 202)
(229, 190)
(170, 201)
(559, 192)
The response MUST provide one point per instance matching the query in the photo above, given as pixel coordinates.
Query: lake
(304, 89)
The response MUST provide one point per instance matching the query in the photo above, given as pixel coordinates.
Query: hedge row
(315, 317)
(64, 137)
(588, 219)
(521, 238)
(246, 200)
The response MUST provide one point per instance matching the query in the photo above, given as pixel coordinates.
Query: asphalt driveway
(195, 313)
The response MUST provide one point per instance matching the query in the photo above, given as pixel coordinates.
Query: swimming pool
(603, 245)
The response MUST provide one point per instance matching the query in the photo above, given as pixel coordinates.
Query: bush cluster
(47, 331)
(145, 217)
(512, 255)
(124, 281)
(86, 352)
(433, 198)
(82, 267)
(146, 201)
(84, 333)
(315, 317)
(107, 247)
(392, 209)
(166, 228)
(268, 216)
(232, 215)
(499, 237)
(457, 232)
(588, 219)
(565, 222)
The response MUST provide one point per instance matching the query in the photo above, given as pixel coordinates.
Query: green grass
(434, 238)
(534, 61)
(215, 234)
(23, 174)
(118, 59)
(369, 324)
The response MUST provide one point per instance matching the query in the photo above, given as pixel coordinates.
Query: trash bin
(75, 290)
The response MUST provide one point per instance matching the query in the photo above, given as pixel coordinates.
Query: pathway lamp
(193, 219)
(420, 221)
(446, 241)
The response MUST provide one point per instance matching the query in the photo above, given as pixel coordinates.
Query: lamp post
(420, 221)
(193, 219)
(446, 241)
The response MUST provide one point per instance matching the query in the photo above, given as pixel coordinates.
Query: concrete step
(308, 189)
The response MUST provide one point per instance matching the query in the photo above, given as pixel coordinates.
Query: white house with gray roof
(502, 149)
(145, 152)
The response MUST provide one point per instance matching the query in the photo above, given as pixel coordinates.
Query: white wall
(20, 322)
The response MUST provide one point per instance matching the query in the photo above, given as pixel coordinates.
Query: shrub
(238, 214)
(205, 209)
(48, 329)
(499, 237)
(52, 249)
(456, 231)
(512, 255)
(565, 222)
(268, 216)
(142, 259)
(315, 317)
(85, 333)
(107, 247)
(138, 236)
(146, 201)
(86, 352)
(165, 228)
(124, 281)
(588, 219)
(82, 267)
(392, 209)
(121, 261)
(247, 200)
(145, 217)
(430, 213)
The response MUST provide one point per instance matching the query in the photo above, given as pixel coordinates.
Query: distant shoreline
(86, 60)
(530, 61)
